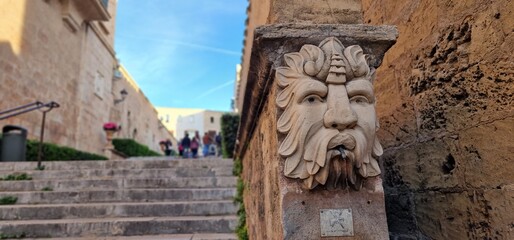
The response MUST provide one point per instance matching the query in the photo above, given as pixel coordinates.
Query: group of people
(188, 147)
(166, 146)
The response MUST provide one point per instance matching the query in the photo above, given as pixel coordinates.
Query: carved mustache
(344, 139)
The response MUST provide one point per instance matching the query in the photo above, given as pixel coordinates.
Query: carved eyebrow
(360, 87)
(308, 87)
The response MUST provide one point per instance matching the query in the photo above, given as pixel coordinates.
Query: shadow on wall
(27, 71)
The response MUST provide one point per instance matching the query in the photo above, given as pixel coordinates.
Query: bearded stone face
(328, 121)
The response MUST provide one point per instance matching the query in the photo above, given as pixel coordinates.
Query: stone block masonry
(445, 106)
(278, 207)
(139, 198)
(50, 51)
(445, 102)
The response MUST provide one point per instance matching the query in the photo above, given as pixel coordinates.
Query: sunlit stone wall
(445, 106)
(445, 102)
(49, 52)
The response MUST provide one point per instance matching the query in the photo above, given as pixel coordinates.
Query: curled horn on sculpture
(316, 81)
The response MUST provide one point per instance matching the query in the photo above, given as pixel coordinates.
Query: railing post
(41, 137)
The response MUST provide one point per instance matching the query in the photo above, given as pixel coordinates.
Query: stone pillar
(307, 134)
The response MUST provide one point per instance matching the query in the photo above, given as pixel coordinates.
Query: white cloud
(212, 90)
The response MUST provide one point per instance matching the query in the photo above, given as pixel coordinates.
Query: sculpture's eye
(360, 99)
(313, 99)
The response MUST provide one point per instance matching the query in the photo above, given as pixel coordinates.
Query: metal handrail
(29, 108)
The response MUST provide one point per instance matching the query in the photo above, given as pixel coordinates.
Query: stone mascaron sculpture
(327, 120)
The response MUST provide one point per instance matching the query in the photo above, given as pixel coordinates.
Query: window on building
(105, 3)
(212, 119)
(167, 118)
(99, 85)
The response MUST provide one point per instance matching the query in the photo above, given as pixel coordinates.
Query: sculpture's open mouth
(340, 145)
(341, 142)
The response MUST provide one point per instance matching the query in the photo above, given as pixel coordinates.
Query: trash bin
(14, 143)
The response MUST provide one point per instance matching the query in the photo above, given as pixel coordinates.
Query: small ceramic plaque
(336, 222)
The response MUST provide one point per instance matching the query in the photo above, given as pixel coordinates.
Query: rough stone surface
(272, 41)
(445, 103)
(262, 176)
(272, 201)
(263, 12)
(97, 206)
(301, 212)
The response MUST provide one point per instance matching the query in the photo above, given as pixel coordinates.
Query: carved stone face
(328, 116)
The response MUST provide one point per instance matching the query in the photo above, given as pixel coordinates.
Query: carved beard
(313, 151)
(318, 160)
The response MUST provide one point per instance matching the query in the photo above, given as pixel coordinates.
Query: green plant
(238, 167)
(12, 236)
(7, 200)
(40, 168)
(229, 126)
(47, 189)
(241, 228)
(17, 177)
(132, 148)
(53, 152)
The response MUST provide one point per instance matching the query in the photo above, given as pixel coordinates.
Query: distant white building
(182, 120)
(237, 100)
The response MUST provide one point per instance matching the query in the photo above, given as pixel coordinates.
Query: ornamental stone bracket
(327, 119)
(308, 118)
(272, 42)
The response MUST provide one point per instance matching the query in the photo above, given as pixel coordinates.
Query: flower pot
(110, 134)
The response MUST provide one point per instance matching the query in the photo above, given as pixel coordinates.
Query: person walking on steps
(195, 144)
(207, 141)
(186, 144)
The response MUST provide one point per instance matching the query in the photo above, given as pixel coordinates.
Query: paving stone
(132, 226)
(120, 209)
(120, 195)
(114, 173)
(144, 198)
(88, 184)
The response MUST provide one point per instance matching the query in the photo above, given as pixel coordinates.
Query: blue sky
(182, 53)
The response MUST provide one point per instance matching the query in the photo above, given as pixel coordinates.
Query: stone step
(121, 195)
(120, 209)
(194, 236)
(133, 163)
(117, 183)
(128, 173)
(104, 227)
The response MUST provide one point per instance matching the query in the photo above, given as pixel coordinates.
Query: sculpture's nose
(339, 114)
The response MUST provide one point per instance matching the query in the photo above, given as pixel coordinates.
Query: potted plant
(110, 128)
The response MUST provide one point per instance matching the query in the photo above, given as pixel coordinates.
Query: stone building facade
(445, 106)
(182, 120)
(137, 116)
(62, 51)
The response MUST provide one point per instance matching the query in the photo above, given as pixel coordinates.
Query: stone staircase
(139, 198)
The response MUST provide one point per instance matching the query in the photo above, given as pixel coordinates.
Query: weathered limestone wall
(262, 194)
(277, 207)
(39, 60)
(445, 102)
(137, 115)
(49, 53)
